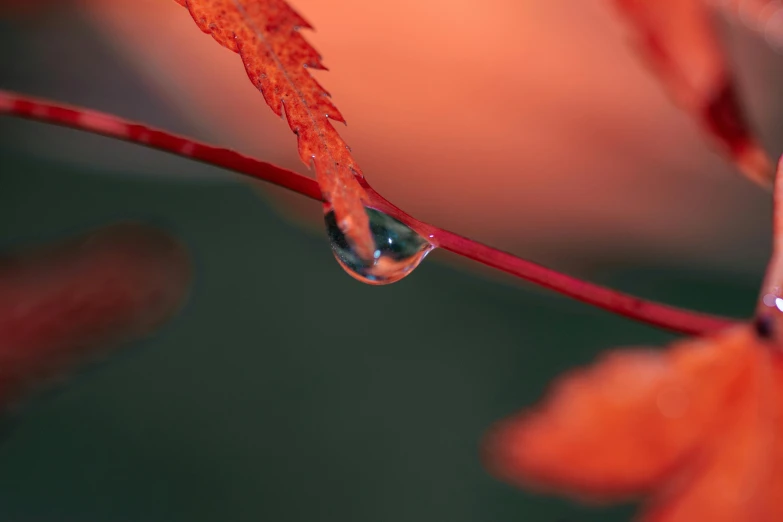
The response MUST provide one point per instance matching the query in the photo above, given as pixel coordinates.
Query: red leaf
(696, 429)
(266, 35)
(64, 304)
(680, 43)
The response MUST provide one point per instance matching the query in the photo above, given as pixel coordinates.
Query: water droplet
(398, 249)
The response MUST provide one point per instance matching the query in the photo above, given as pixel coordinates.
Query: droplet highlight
(398, 249)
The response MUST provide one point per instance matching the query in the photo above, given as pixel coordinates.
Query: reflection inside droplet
(398, 249)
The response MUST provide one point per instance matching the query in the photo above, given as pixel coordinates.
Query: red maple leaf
(679, 41)
(697, 429)
(266, 35)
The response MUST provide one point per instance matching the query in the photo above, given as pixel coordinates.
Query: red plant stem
(769, 313)
(656, 314)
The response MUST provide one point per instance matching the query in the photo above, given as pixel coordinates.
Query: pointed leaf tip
(266, 34)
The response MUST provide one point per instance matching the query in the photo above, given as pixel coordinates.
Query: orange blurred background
(532, 126)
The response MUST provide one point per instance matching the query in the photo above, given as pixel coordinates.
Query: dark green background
(284, 390)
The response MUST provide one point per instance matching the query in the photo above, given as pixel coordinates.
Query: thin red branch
(769, 309)
(667, 317)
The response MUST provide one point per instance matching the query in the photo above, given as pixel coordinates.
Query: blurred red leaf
(679, 41)
(65, 304)
(695, 428)
(266, 34)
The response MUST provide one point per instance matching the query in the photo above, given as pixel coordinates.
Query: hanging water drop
(398, 249)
